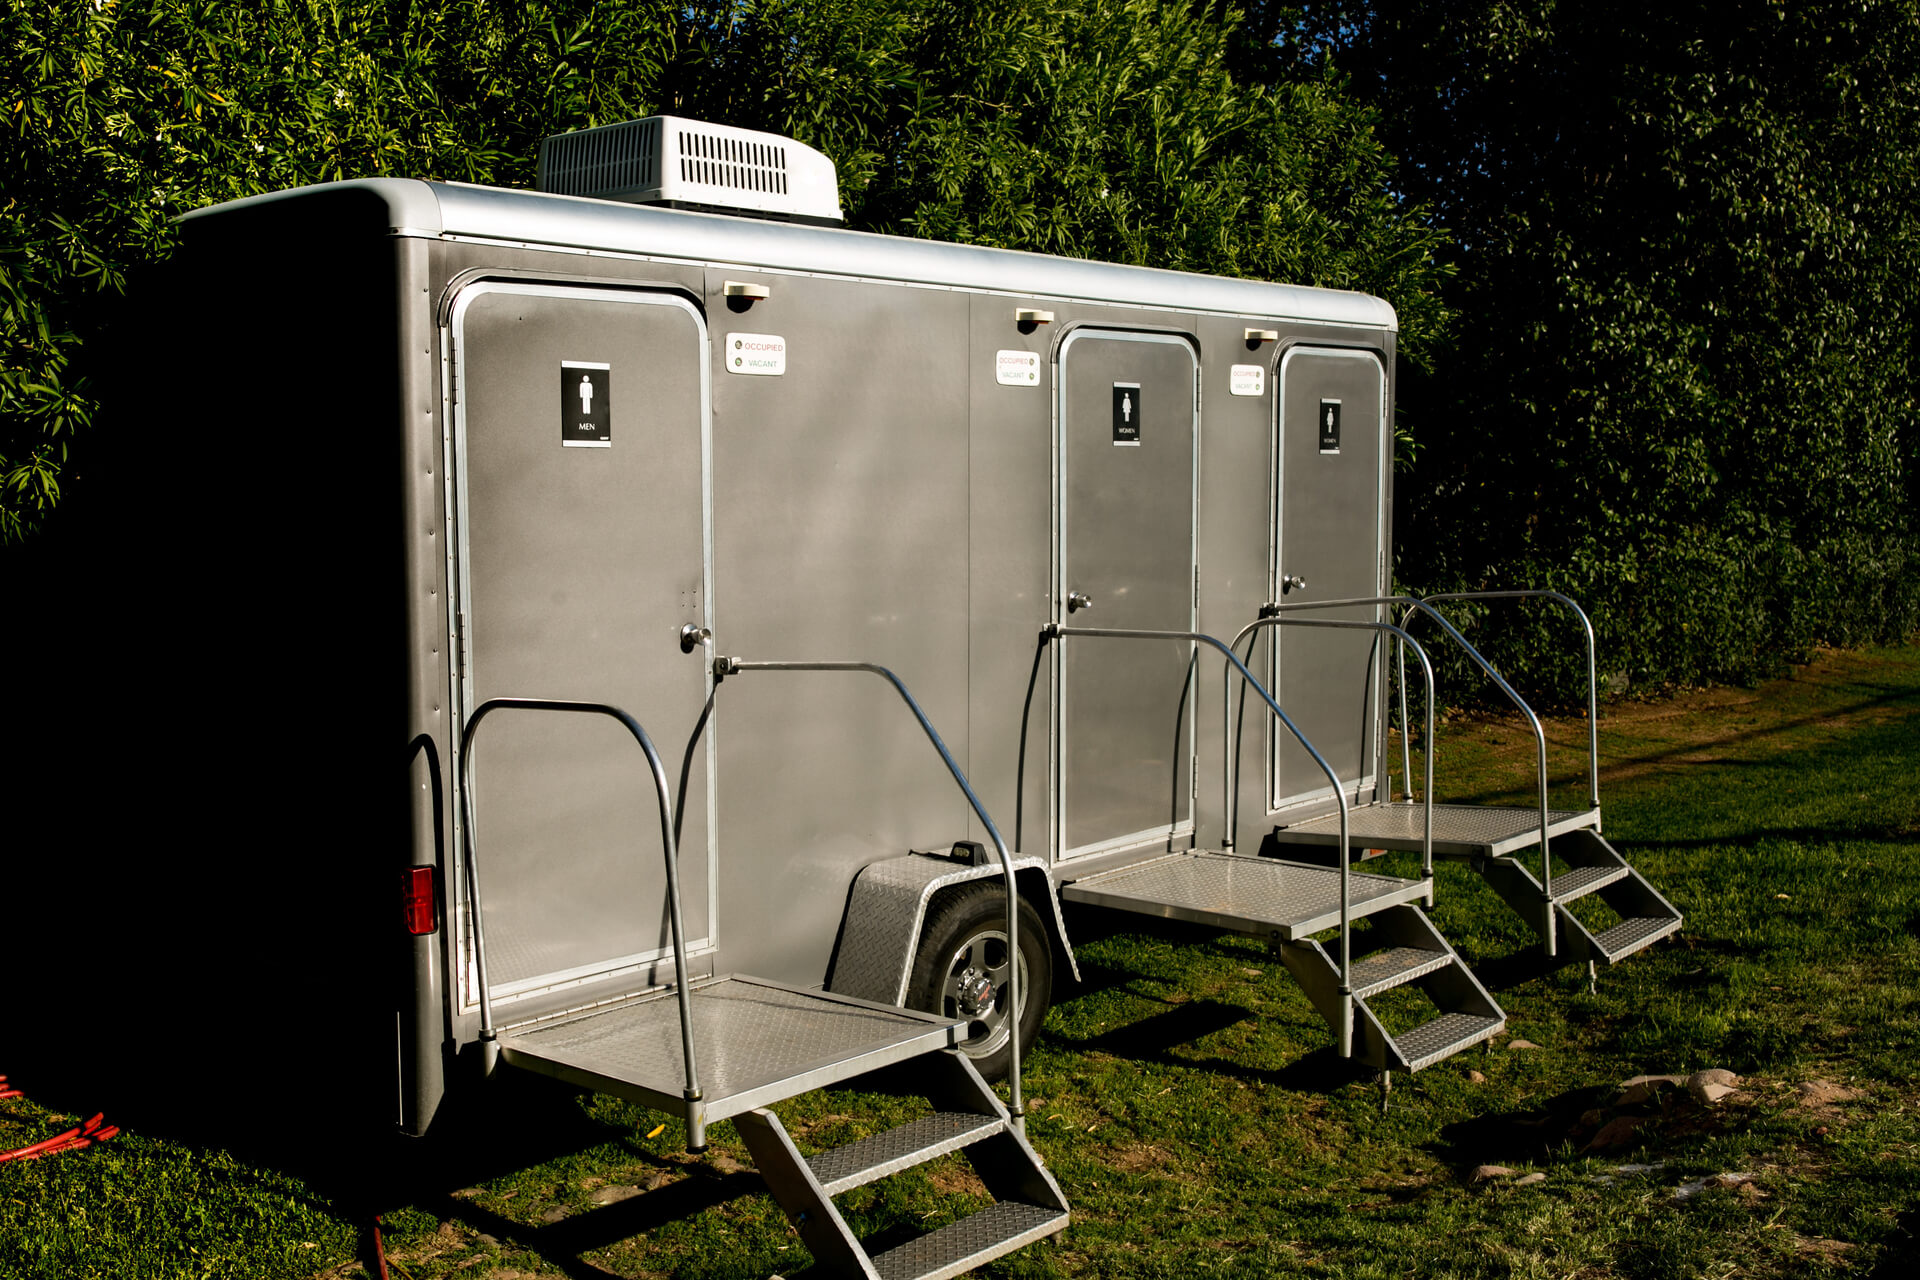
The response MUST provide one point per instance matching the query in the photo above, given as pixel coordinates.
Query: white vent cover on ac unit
(667, 160)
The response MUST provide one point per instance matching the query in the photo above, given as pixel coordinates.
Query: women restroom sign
(1126, 413)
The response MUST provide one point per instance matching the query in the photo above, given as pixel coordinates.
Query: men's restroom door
(1127, 428)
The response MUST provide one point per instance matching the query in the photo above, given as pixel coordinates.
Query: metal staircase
(1286, 902)
(730, 1047)
(967, 1117)
(1405, 949)
(1588, 866)
(1575, 861)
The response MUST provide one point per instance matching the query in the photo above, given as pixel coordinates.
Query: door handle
(1076, 602)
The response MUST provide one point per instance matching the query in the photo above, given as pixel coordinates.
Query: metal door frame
(1057, 774)
(1277, 458)
(459, 565)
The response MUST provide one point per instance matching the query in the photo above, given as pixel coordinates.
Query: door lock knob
(1076, 602)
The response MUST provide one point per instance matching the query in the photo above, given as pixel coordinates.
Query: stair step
(1459, 830)
(1578, 882)
(1264, 897)
(1392, 966)
(1635, 934)
(859, 1163)
(971, 1242)
(1445, 1035)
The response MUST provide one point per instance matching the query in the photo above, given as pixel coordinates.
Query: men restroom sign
(586, 408)
(1126, 413)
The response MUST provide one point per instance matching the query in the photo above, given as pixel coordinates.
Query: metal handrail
(696, 1127)
(1402, 641)
(1414, 604)
(725, 666)
(1054, 630)
(1593, 679)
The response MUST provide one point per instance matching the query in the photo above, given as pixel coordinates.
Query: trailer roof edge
(410, 205)
(579, 223)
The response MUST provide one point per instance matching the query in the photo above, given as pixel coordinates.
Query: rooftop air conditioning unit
(686, 164)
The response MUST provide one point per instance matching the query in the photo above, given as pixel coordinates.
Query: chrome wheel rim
(974, 989)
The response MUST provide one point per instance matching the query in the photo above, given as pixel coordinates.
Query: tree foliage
(1111, 128)
(122, 114)
(1657, 266)
(1688, 295)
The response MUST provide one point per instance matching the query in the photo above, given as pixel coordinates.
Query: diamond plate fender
(887, 907)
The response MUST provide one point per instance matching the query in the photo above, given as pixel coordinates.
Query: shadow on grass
(1528, 1135)
(1767, 740)
(563, 1243)
(1154, 1038)
(1880, 834)
(1900, 1249)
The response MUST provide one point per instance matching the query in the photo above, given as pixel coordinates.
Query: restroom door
(580, 447)
(1127, 443)
(1331, 453)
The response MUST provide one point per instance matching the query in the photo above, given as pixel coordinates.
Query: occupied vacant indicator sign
(1126, 413)
(1329, 426)
(586, 410)
(761, 354)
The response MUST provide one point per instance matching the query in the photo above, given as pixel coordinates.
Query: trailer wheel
(962, 967)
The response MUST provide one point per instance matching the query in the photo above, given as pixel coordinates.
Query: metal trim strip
(459, 590)
(540, 219)
(1169, 831)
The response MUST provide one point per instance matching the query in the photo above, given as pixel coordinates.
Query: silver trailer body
(596, 435)
(596, 441)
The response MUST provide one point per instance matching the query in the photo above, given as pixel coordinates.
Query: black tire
(967, 930)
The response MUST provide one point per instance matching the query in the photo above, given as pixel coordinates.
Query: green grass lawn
(1187, 1098)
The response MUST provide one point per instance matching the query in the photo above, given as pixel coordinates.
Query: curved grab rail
(1593, 680)
(1054, 630)
(1539, 734)
(696, 1128)
(1403, 639)
(729, 666)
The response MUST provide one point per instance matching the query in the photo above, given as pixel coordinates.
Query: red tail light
(416, 897)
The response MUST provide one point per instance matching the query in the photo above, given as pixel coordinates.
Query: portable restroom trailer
(652, 459)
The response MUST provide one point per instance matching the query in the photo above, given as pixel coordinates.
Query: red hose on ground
(72, 1140)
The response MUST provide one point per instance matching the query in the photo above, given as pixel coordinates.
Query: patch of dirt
(1830, 1252)
(1825, 1095)
(831, 1118)
(955, 1177)
(1138, 1157)
(723, 1163)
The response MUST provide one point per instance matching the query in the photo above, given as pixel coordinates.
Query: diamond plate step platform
(968, 1118)
(1585, 866)
(1410, 951)
(1265, 897)
(1459, 830)
(1635, 934)
(845, 1168)
(755, 1043)
(1581, 881)
(1395, 966)
(1445, 1036)
(971, 1242)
